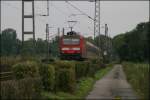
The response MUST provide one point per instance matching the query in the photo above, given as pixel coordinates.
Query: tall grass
(64, 78)
(24, 89)
(138, 76)
(83, 87)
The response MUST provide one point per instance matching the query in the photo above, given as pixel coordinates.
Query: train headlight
(65, 49)
(75, 48)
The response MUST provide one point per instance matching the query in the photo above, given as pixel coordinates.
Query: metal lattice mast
(97, 22)
(97, 18)
(32, 32)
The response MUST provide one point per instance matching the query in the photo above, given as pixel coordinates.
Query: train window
(75, 41)
(66, 41)
(71, 41)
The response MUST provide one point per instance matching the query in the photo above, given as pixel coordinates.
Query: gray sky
(120, 16)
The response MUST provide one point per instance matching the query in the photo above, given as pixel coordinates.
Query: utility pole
(47, 7)
(58, 32)
(63, 31)
(28, 17)
(97, 25)
(47, 40)
(106, 41)
(0, 16)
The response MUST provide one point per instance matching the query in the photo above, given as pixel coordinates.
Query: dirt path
(113, 85)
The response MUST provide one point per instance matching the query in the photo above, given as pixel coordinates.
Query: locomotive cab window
(71, 41)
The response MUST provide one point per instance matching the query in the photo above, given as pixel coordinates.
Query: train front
(71, 46)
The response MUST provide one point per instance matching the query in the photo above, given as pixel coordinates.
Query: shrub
(81, 69)
(65, 76)
(9, 90)
(47, 73)
(86, 68)
(28, 88)
(25, 69)
(92, 69)
(6, 63)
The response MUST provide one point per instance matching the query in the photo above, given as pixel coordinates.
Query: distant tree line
(130, 46)
(133, 45)
(12, 46)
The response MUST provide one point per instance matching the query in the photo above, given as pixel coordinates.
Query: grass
(101, 73)
(138, 77)
(84, 86)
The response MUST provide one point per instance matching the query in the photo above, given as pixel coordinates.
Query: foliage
(54, 47)
(27, 88)
(25, 69)
(47, 73)
(41, 47)
(65, 76)
(81, 69)
(28, 48)
(133, 45)
(11, 46)
(9, 42)
(86, 68)
(138, 77)
(99, 74)
(105, 44)
(83, 87)
(7, 63)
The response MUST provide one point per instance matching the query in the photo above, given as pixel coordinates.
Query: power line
(80, 10)
(64, 13)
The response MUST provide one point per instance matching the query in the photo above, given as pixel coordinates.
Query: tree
(8, 40)
(133, 45)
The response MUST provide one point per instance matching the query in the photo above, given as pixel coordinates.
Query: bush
(86, 68)
(28, 88)
(47, 73)
(25, 69)
(6, 63)
(65, 76)
(92, 69)
(81, 69)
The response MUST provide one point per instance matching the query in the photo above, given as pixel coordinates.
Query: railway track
(6, 76)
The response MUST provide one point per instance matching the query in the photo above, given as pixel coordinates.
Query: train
(74, 46)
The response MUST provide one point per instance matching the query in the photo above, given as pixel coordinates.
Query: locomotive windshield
(71, 41)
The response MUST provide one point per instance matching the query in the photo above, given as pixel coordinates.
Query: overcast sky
(120, 16)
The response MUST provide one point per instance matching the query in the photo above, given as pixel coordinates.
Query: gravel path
(111, 86)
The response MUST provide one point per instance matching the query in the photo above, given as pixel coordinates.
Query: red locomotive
(74, 46)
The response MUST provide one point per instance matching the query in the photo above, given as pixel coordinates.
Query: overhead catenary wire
(57, 8)
(80, 10)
